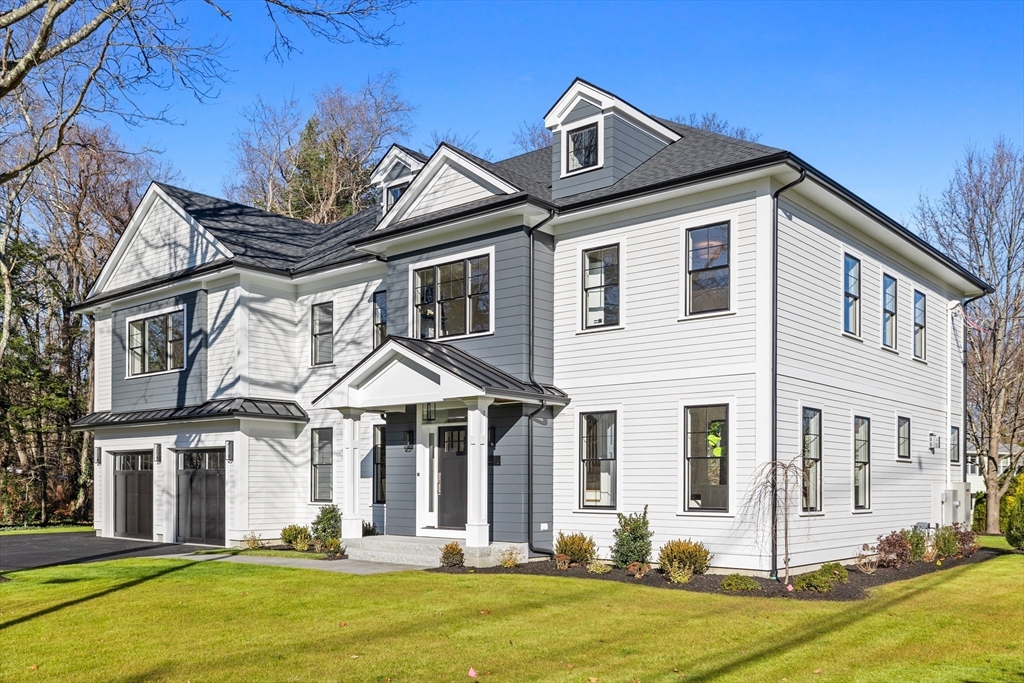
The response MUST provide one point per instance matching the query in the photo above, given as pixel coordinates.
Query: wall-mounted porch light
(156, 453)
(99, 455)
(408, 440)
(229, 451)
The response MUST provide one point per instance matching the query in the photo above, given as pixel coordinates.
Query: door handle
(439, 483)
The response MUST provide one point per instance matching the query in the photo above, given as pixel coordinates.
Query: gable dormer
(394, 173)
(598, 139)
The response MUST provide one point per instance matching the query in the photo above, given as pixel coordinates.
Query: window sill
(861, 512)
(709, 513)
(322, 365)
(811, 514)
(596, 511)
(853, 337)
(155, 374)
(319, 503)
(922, 361)
(889, 349)
(580, 171)
(596, 330)
(459, 337)
(900, 458)
(704, 316)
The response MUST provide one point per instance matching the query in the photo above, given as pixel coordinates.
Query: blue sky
(883, 97)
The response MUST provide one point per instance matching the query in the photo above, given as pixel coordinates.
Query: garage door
(133, 494)
(201, 496)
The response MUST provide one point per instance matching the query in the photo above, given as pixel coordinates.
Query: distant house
(974, 467)
(643, 314)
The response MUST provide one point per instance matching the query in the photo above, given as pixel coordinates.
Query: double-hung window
(380, 452)
(811, 450)
(322, 464)
(322, 333)
(851, 295)
(903, 437)
(920, 323)
(954, 444)
(597, 459)
(453, 299)
(601, 287)
(581, 149)
(861, 463)
(392, 195)
(156, 343)
(380, 318)
(707, 458)
(889, 309)
(707, 268)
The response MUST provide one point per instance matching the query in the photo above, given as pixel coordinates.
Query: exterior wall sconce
(156, 453)
(229, 451)
(99, 455)
(408, 440)
(429, 412)
(934, 442)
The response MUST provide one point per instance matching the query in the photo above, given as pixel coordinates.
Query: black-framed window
(156, 343)
(890, 301)
(601, 286)
(393, 194)
(597, 459)
(202, 459)
(134, 461)
(581, 148)
(707, 458)
(811, 451)
(380, 454)
(322, 459)
(954, 444)
(380, 318)
(322, 333)
(707, 267)
(903, 437)
(851, 295)
(920, 324)
(453, 299)
(861, 463)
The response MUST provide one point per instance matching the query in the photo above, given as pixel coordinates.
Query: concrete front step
(422, 551)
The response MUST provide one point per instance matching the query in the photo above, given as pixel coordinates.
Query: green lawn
(135, 620)
(57, 529)
(262, 553)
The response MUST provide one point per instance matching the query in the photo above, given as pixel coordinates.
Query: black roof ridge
(178, 188)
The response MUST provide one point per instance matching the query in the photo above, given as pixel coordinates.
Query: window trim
(615, 460)
(183, 307)
(568, 128)
(313, 466)
(703, 221)
(821, 459)
(853, 464)
(441, 260)
(683, 480)
(620, 415)
(956, 429)
(373, 316)
(858, 334)
(896, 313)
(312, 334)
(910, 438)
(924, 326)
(381, 465)
(582, 323)
(388, 204)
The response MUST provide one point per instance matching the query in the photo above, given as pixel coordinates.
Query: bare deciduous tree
(263, 155)
(979, 221)
(774, 489)
(714, 123)
(530, 137)
(466, 143)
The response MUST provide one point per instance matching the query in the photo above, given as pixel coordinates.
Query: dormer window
(582, 148)
(392, 195)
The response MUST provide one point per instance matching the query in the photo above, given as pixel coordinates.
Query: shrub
(253, 541)
(302, 540)
(918, 542)
(291, 532)
(452, 555)
(676, 572)
(966, 540)
(1015, 525)
(690, 554)
(332, 547)
(509, 558)
(946, 543)
(369, 528)
(979, 518)
(867, 559)
(739, 582)
(596, 567)
(893, 550)
(327, 525)
(632, 539)
(562, 561)
(638, 569)
(580, 548)
(823, 580)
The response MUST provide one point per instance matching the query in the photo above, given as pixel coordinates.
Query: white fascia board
(394, 154)
(444, 155)
(606, 102)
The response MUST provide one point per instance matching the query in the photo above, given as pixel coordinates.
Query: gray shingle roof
(227, 408)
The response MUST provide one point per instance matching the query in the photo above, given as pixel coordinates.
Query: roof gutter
(774, 570)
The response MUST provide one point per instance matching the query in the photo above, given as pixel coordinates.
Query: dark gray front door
(201, 496)
(133, 495)
(451, 466)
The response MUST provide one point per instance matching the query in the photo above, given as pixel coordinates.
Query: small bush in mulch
(632, 540)
(580, 548)
(739, 582)
(893, 550)
(689, 554)
(822, 580)
(452, 555)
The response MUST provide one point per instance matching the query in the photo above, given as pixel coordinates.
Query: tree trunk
(992, 475)
(43, 513)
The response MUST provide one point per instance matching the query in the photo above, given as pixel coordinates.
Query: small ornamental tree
(327, 525)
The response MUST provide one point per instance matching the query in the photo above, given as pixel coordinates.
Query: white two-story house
(642, 314)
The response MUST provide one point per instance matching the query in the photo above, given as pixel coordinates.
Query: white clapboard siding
(221, 378)
(277, 477)
(272, 333)
(165, 243)
(101, 370)
(450, 188)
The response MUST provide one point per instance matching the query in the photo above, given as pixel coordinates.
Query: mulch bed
(711, 583)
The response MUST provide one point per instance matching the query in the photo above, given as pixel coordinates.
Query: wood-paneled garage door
(133, 494)
(201, 496)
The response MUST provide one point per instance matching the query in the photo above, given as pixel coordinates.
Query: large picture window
(601, 286)
(889, 309)
(380, 453)
(581, 152)
(861, 463)
(156, 343)
(851, 295)
(453, 299)
(707, 458)
(380, 318)
(920, 325)
(708, 268)
(322, 333)
(322, 464)
(903, 437)
(811, 449)
(597, 459)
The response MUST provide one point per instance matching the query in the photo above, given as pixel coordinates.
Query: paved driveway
(26, 551)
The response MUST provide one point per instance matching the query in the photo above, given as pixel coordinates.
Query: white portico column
(478, 528)
(351, 521)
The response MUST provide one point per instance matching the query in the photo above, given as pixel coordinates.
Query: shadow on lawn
(839, 621)
(78, 601)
